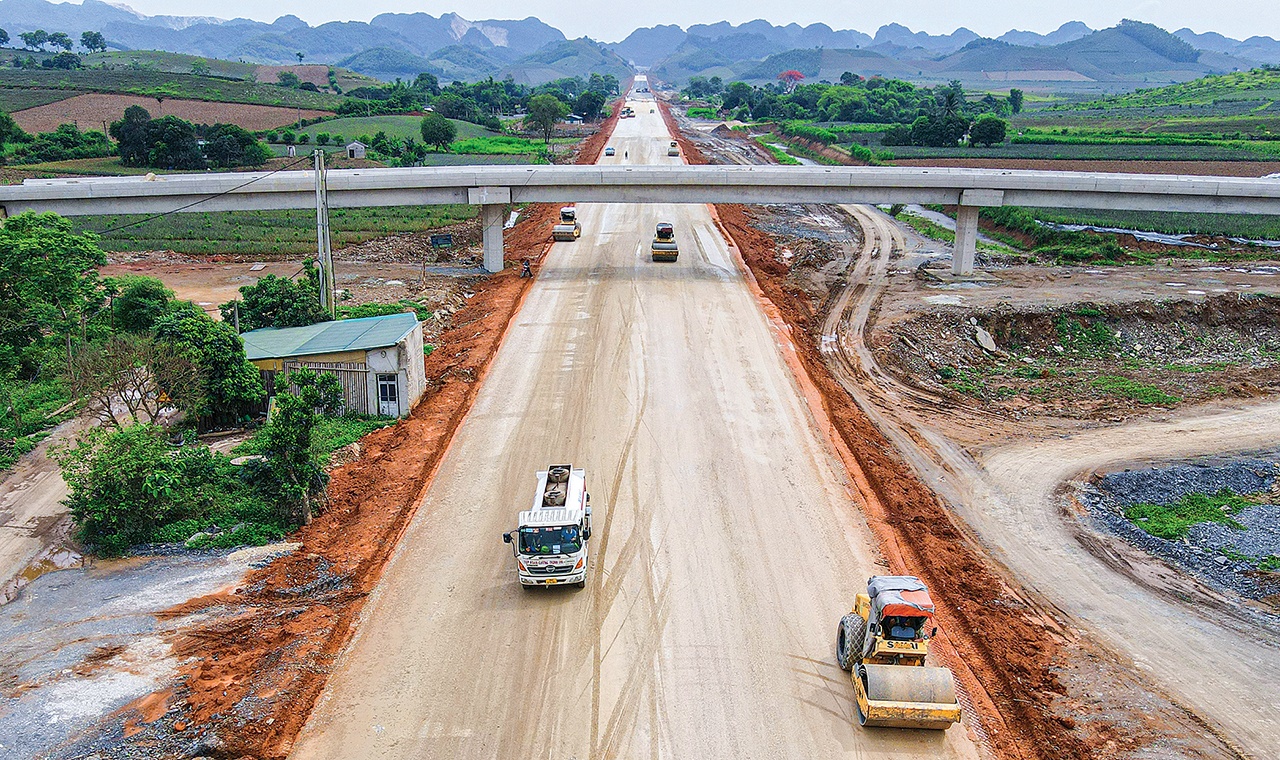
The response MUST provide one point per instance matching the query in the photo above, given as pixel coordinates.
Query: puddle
(60, 558)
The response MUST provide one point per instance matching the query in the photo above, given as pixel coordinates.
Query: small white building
(378, 360)
(573, 118)
(356, 149)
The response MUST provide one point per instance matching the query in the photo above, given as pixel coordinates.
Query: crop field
(398, 127)
(290, 232)
(95, 110)
(1249, 226)
(152, 83)
(17, 100)
(1113, 152)
(171, 63)
(89, 167)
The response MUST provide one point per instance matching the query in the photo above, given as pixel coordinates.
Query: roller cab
(884, 642)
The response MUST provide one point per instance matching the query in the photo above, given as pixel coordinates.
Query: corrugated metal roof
(328, 337)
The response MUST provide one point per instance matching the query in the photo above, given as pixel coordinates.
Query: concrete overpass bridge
(493, 187)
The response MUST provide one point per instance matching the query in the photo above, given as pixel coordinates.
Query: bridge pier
(966, 245)
(493, 205)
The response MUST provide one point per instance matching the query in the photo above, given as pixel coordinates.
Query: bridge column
(492, 202)
(966, 245)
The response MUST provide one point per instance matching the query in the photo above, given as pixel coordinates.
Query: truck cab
(551, 539)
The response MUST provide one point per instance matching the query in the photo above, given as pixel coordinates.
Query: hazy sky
(610, 21)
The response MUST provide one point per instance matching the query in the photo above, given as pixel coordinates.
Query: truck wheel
(849, 638)
(580, 584)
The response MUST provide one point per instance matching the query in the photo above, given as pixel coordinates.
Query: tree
(64, 60)
(938, 131)
(138, 303)
(988, 130)
(4, 37)
(171, 144)
(34, 40)
(545, 111)
(292, 466)
(454, 106)
(200, 68)
(232, 387)
(49, 283)
(589, 105)
(288, 79)
(300, 57)
(1015, 100)
(124, 485)
(229, 145)
(134, 378)
(62, 40)
(426, 83)
(280, 302)
(437, 131)
(131, 136)
(790, 78)
(93, 41)
(849, 79)
(9, 131)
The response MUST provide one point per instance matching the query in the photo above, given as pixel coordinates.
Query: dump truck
(550, 539)
(664, 243)
(568, 230)
(883, 643)
(673, 149)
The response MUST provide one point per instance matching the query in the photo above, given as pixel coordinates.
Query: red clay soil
(257, 664)
(1207, 168)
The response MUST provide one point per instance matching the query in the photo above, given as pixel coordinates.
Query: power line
(203, 200)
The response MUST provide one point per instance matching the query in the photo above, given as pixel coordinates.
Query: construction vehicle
(673, 149)
(550, 540)
(568, 230)
(883, 643)
(609, 151)
(627, 113)
(664, 243)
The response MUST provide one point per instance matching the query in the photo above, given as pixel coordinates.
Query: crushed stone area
(1222, 556)
(81, 643)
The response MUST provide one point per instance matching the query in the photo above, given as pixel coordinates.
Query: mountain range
(403, 44)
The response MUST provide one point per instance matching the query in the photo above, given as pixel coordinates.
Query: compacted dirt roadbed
(727, 540)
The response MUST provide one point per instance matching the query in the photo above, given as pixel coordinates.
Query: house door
(388, 396)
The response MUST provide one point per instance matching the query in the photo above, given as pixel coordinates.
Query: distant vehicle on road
(550, 540)
(673, 149)
(609, 151)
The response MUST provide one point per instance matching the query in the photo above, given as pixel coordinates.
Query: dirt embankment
(1089, 360)
(259, 659)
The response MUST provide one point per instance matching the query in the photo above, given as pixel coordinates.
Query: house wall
(406, 361)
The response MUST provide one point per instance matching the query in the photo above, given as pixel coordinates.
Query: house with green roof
(378, 360)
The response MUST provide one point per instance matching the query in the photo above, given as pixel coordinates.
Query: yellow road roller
(883, 643)
(664, 246)
(568, 230)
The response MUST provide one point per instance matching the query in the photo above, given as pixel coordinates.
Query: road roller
(883, 643)
(664, 243)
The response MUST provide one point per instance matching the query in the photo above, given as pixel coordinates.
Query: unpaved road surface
(1184, 639)
(1226, 670)
(727, 543)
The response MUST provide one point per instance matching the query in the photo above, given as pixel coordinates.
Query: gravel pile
(1204, 552)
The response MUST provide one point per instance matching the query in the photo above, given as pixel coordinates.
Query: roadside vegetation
(289, 232)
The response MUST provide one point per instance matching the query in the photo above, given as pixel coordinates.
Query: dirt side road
(727, 542)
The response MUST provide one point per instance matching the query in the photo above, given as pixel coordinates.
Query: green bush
(1140, 392)
(1172, 521)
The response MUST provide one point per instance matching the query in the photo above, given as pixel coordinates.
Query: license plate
(550, 581)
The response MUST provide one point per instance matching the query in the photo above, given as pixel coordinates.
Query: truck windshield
(563, 539)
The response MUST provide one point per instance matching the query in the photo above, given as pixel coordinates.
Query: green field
(398, 127)
(172, 63)
(16, 100)
(289, 232)
(152, 83)
(1248, 226)
(1114, 152)
(1257, 85)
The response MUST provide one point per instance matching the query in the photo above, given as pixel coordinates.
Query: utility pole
(323, 251)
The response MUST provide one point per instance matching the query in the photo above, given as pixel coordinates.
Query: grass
(1132, 389)
(17, 100)
(288, 232)
(331, 434)
(1094, 152)
(779, 154)
(935, 231)
(153, 83)
(498, 145)
(1249, 226)
(362, 310)
(30, 413)
(1172, 521)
